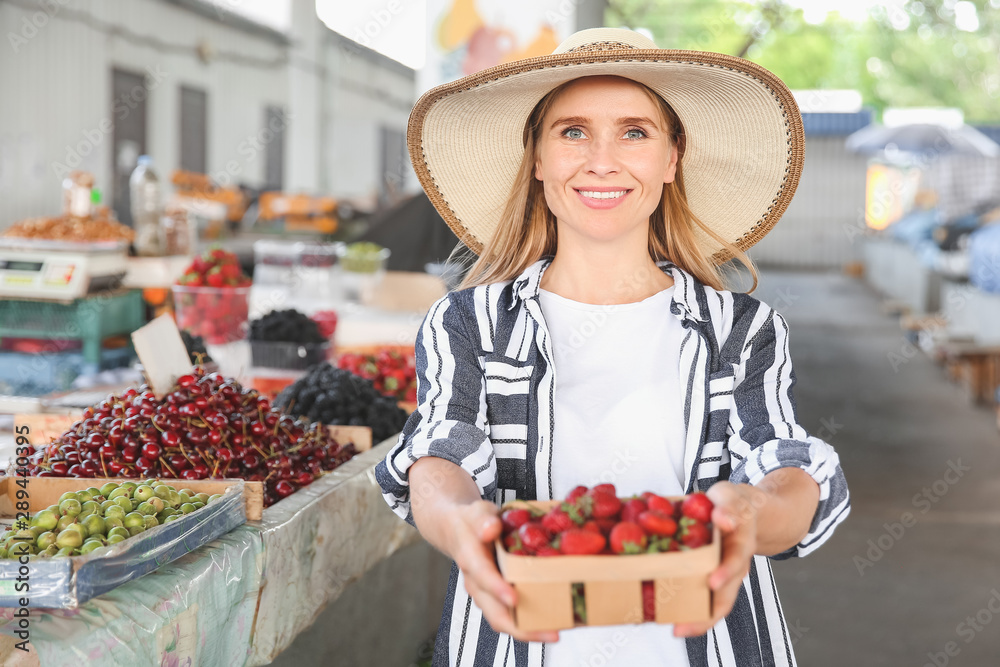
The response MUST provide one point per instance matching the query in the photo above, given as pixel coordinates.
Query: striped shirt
(486, 387)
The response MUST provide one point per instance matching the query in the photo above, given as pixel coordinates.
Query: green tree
(921, 53)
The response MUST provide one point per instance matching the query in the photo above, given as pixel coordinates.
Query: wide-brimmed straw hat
(744, 141)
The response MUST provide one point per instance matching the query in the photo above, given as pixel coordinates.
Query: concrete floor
(880, 592)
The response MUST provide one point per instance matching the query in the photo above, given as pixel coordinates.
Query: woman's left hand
(735, 514)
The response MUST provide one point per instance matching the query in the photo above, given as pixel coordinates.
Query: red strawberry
(606, 525)
(512, 543)
(605, 488)
(698, 506)
(628, 538)
(576, 493)
(556, 521)
(230, 271)
(655, 522)
(648, 601)
(215, 279)
(659, 503)
(632, 508)
(534, 536)
(694, 534)
(592, 527)
(605, 505)
(581, 542)
(514, 518)
(548, 550)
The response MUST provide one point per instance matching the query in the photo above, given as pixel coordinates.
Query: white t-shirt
(618, 418)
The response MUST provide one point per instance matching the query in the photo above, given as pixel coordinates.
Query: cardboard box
(66, 583)
(612, 585)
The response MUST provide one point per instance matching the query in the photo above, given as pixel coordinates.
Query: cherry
(284, 488)
(186, 381)
(60, 468)
(178, 462)
(151, 451)
(170, 439)
(130, 454)
(143, 464)
(304, 478)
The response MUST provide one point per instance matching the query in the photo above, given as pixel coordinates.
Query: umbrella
(923, 138)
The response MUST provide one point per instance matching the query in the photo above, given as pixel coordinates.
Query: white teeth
(602, 195)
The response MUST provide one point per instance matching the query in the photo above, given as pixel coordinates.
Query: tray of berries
(597, 559)
(64, 547)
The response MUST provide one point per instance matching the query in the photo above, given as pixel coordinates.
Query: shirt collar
(684, 302)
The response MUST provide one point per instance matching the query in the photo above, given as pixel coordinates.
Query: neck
(604, 274)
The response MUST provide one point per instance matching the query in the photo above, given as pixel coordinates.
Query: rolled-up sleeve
(450, 419)
(765, 435)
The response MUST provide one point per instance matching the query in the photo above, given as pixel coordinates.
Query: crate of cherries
(597, 559)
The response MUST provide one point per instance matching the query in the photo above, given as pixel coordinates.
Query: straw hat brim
(744, 138)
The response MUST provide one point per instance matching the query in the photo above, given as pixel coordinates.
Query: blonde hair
(527, 228)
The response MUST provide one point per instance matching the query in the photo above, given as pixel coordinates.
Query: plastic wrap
(316, 542)
(197, 610)
(65, 583)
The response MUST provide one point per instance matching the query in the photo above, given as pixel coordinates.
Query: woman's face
(603, 157)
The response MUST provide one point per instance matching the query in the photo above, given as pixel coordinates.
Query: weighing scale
(59, 270)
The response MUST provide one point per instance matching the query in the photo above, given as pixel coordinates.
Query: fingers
(500, 618)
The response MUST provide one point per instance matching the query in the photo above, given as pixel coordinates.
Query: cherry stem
(164, 463)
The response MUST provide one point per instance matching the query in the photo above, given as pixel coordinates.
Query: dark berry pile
(195, 348)
(286, 326)
(336, 396)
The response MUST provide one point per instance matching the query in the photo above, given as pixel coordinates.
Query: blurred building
(93, 84)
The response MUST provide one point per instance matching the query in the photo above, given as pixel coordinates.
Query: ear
(668, 176)
(538, 170)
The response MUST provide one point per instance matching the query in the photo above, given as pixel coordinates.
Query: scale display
(57, 273)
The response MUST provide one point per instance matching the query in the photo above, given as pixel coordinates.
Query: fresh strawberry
(632, 508)
(659, 503)
(556, 521)
(593, 527)
(215, 279)
(576, 493)
(513, 519)
(605, 488)
(512, 543)
(694, 534)
(548, 550)
(603, 505)
(698, 506)
(655, 522)
(581, 542)
(230, 271)
(628, 538)
(534, 536)
(648, 601)
(606, 525)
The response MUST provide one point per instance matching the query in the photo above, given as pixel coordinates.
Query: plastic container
(89, 320)
(362, 267)
(291, 356)
(218, 314)
(308, 268)
(66, 583)
(144, 190)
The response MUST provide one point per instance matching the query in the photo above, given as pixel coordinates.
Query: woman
(594, 341)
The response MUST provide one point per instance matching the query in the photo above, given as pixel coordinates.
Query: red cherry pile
(205, 427)
(393, 374)
(595, 521)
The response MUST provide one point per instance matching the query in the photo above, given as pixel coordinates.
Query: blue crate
(23, 374)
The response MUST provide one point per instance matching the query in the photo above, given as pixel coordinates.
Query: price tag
(162, 353)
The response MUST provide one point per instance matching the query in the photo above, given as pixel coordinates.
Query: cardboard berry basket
(68, 582)
(612, 584)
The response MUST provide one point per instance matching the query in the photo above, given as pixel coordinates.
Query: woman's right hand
(474, 527)
(452, 516)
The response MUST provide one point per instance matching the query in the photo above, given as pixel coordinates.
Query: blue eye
(573, 133)
(634, 131)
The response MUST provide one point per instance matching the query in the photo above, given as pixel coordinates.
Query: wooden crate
(612, 585)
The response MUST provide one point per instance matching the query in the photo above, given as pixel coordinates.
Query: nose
(602, 158)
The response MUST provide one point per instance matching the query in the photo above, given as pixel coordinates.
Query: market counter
(239, 600)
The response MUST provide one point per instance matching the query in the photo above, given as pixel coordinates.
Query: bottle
(77, 194)
(144, 188)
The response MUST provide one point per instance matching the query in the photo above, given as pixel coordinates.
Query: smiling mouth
(593, 194)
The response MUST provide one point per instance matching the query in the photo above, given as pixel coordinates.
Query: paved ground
(880, 592)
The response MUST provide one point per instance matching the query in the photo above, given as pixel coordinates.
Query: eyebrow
(583, 120)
